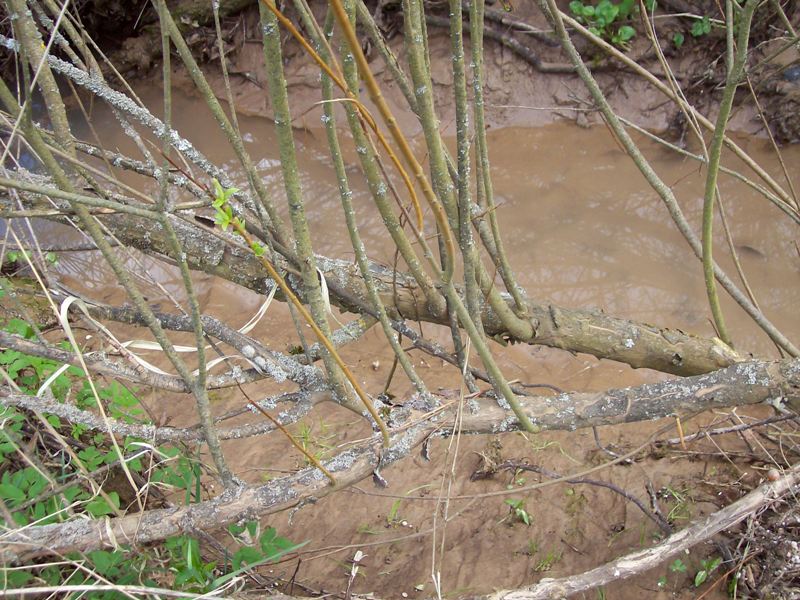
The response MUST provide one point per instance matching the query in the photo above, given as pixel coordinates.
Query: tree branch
(575, 330)
(638, 562)
(743, 383)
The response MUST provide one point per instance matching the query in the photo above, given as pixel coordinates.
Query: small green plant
(393, 517)
(17, 256)
(607, 19)
(316, 444)
(224, 215)
(518, 512)
(20, 258)
(677, 566)
(701, 27)
(366, 529)
(547, 563)
(707, 567)
(681, 501)
(27, 492)
(519, 480)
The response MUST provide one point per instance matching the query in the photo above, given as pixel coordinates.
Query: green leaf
(221, 580)
(626, 7)
(222, 219)
(626, 32)
(14, 579)
(19, 327)
(235, 529)
(219, 193)
(246, 555)
(188, 575)
(701, 27)
(11, 494)
(677, 566)
(252, 528)
(576, 7)
(272, 544)
(104, 561)
(700, 578)
(606, 13)
(91, 457)
(99, 507)
(71, 493)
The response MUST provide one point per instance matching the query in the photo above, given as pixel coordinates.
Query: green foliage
(26, 490)
(701, 27)
(224, 215)
(20, 258)
(707, 567)
(191, 572)
(517, 508)
(678, 566)
(607, 20)
(681, 502)
(546, 563)
(393, 517)
(317, 444)
(611, 21)
(16, 256)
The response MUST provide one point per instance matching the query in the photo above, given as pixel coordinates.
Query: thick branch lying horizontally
(743, 383)
(576, 330)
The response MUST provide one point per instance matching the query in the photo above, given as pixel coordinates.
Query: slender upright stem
(735, 69)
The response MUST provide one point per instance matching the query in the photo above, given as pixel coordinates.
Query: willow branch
(736, 63)
(728, 387)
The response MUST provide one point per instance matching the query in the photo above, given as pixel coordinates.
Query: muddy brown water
(582, 229)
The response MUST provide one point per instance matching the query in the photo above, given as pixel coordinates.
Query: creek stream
(582, 229)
